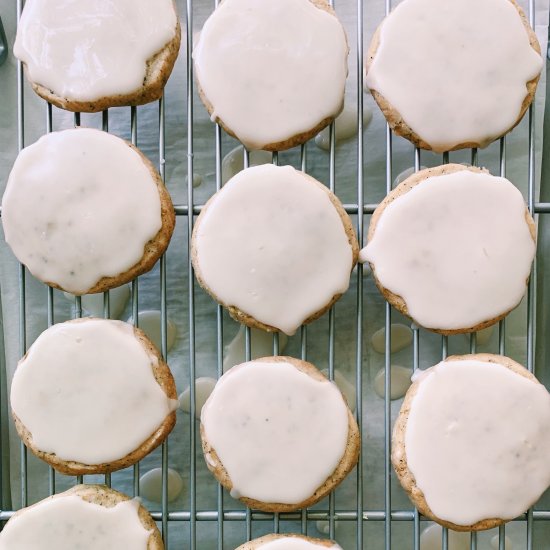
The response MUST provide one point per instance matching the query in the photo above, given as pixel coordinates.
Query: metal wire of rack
(358, 511)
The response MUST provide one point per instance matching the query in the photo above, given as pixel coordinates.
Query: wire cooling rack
(371, 511)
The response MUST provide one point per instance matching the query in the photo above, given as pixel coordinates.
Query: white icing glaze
(345, 386)
(86, 392)
(454, 78)
(203, 388)
(272, 69)
(150, 485)
(261, 345)
(345, 126)
(85, 50)
(431, 539)
(477, 441)
(94, 303)
(233, 162)
(296, 543)
(272, 244)
(79, 205)
(149, 322)
(67, 522)
(401, 337)
(456, 248)
(291, 430)
(400, 381)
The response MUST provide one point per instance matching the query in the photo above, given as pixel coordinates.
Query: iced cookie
(452, 248)
(93, 396)
(277, 434)
(272, 73)
(87, 517)
(89, 55)
(275, 247)
(289, 541)
(471, 443)
(446, 79)
(86, 211)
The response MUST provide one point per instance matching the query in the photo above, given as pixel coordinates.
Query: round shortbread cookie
(89, 55)
(277, 434)
(272, 73)
(93, 396)
(86, 211)
(446, 79)
(275, 247)
(452, 247)
(471, 443)
(288, 541)
(88, 517)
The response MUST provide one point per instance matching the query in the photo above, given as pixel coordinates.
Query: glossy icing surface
(80, 205)
(278, 432)
(456, 248)
(86, 50)
(481, 433)
(68, 522)
(271, 69)
(474, 70)
(86, 392)
(296, 543)
(272, 244)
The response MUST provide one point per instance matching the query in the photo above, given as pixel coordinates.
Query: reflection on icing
(458, 444)
(233, 162)
(474, 69)
(400, 382)
(431, 537)
(346, 126)
(401, 337)
(264, 65)
(345, 386)
(203, 388)
(456, 248)
(150, 322)
(59, 392)
(150, 485)
(261, 346)
(51, 524)
(80, 205)
(86, 50)
(292, 430)
(94, 304)
(272, 244)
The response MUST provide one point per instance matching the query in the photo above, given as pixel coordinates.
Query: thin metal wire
(359, 279)
(191, 281)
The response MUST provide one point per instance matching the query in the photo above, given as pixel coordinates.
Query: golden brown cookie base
(164, 379)
(291, 141)
(159, 68)
(404, 187)
(347, 463)
(400, 127)
(399, 454)
(104, 496)
(243, 317)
